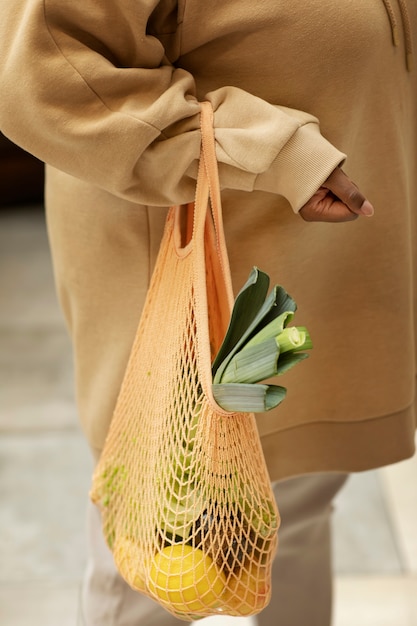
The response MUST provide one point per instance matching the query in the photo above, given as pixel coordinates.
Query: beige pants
(302, 573)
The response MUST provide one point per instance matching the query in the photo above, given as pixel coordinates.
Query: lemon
(186, 579)
(128, 558)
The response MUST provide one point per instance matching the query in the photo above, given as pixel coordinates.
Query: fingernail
(367, 209)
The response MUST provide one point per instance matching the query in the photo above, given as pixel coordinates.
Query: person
(307, 98)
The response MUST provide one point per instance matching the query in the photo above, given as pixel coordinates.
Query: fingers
(330, 211)
(338, 200)
(346, 191)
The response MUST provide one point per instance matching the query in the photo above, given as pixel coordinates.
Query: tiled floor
(45, 471)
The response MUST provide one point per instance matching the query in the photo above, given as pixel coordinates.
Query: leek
(258, 345)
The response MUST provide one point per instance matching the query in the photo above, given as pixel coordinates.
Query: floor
(45, 471)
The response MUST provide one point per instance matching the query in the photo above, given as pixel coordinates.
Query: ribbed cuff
(301, 167)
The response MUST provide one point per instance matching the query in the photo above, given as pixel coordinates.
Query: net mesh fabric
(182, 485)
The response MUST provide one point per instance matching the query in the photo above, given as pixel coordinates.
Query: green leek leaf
(273, 329)
(246, 306)
(264, 310)
(253, 363)
(283, 303)
(287, 361)
(246, 398)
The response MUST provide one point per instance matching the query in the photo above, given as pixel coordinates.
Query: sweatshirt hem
(328, 446)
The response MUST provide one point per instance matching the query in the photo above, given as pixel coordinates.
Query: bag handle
(208, 160)
(209, 237)
(205, 243)
(190, 218)
(208, 185)
(202, 220)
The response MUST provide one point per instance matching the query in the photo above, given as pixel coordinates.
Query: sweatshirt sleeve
(86, 88)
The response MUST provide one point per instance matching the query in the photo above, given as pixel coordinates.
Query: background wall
(21, 175)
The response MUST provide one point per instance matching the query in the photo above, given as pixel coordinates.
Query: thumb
(344, 189)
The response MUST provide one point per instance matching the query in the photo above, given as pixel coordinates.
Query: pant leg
(106, 599)
(302, 571)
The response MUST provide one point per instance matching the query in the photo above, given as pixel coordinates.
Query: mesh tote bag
(182, 485)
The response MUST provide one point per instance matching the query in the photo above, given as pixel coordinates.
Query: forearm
(89, 91)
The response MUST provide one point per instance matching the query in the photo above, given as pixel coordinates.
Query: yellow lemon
(186, 579)
(129, 558)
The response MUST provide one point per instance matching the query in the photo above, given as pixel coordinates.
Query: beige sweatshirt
(108, 95)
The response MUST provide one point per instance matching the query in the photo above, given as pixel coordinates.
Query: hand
(337, 200)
